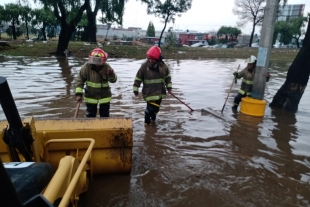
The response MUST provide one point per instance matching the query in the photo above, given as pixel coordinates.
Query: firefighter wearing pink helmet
(156, 79)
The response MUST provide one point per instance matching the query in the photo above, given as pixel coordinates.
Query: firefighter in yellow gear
(247, 82)
(95, 75)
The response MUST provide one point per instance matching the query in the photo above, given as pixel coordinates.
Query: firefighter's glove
(136, 93)
(235, 74)
(169, 91)
(110, 72)
(79, 99)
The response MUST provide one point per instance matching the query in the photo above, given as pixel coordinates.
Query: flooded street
(199, 158)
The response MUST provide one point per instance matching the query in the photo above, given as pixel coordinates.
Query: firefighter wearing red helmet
(95, 75)
(156, 78)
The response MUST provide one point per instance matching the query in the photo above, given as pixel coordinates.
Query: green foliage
(8, 31)
(171, 38)
(51, 32)
(167, 10)
(150, 32)
(111, 10)
(124, 37)
(115, 37)
(290, 30)
(230, 33)
(285, 31)
(11, 14)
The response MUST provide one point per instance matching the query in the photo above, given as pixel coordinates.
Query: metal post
(264, 49)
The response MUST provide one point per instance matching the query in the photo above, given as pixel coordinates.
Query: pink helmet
(97, 57)
(154, 53)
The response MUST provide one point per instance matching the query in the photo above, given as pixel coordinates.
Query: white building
(135, 33)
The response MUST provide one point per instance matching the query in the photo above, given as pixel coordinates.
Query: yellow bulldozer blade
(111, 153)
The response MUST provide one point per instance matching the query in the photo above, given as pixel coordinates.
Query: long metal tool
(77, 109)
(16, 136)
(230, 90)
(181, 101)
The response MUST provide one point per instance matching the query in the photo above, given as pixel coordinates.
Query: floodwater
(199, 158)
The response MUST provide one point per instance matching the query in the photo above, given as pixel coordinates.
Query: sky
(204, 15)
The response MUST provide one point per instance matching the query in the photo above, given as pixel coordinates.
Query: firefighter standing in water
(155, 76)
(96, 75)
(247, 82)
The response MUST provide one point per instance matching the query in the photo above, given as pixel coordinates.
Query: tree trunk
(91, 27)
(289, 95)
(43, 32)
(162, 32)
(27, 33)
(14, 31)
(252, 34)
(64, 38)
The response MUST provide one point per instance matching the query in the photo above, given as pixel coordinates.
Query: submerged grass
(79, 49)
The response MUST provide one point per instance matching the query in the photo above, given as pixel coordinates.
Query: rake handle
(181, 101)
(77, 109)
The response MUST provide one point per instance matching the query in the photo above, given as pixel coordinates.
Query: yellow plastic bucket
(253, 107)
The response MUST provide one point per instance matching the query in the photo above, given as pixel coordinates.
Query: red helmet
(154, 53)
(97, 56)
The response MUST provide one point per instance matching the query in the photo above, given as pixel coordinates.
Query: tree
(1, 19)
(11, 14)
(297, 28)
(284, 29)
(167, 10)
(42, 19)
(68, 13)
(213, 35)
(231, 32)
(171, 38)
(26, 17)
(290, 93)
(82, 25)
(111, 11)
(150, 32)
(249, 11)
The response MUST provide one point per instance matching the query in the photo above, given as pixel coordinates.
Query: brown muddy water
(187, 158)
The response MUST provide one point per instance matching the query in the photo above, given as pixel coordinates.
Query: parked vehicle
(255, 44)
(217, 46)
(200, 44)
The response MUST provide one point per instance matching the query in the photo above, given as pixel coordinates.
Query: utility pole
(264, 49)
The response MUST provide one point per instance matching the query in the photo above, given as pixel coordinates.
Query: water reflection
(187, 158)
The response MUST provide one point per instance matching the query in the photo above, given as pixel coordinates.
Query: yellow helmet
(97, 57)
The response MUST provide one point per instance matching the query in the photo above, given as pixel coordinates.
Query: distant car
(217, 46)
(277, 45)
(161, 43)
(198, 44)
(255, 44)
(241, 45)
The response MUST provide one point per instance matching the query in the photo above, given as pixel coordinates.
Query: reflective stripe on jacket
(155, 81)
(247, 81)
(97, 89)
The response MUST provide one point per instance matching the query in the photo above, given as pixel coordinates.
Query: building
(290, 11)
(135, 33)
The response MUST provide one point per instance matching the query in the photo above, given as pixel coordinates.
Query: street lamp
(109, 26)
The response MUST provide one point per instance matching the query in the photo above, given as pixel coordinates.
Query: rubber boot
(147, 119)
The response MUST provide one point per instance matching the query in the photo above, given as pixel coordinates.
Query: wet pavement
(198, 158)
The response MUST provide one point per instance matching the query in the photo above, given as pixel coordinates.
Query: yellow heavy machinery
(50, 162)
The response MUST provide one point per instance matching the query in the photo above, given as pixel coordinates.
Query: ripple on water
(186, 158)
